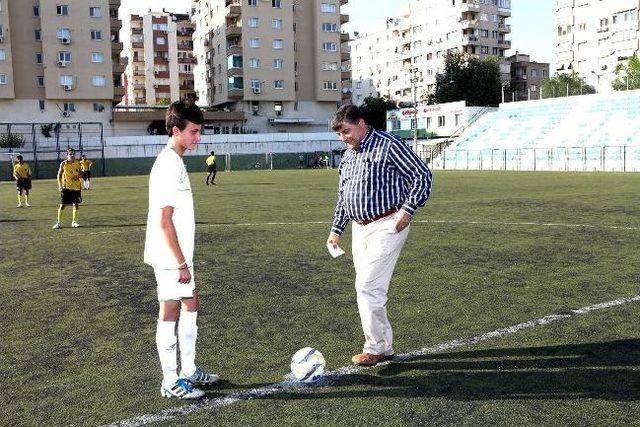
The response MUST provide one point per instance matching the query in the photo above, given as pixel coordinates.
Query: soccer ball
(307, 365)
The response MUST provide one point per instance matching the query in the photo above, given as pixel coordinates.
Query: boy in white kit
(169, 250)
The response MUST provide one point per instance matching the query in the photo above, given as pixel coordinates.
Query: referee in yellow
(70, 187)
(22, 175)
(211, 168)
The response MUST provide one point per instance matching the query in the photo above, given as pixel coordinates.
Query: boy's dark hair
(71, 151)
(347, 113)
(179, 113)
(19, 157)
(213, 154)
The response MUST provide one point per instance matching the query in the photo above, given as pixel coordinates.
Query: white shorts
(169, 289)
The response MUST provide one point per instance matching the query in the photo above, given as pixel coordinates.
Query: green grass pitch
(79, 307)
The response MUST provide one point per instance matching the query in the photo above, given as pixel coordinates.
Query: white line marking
(289, 386)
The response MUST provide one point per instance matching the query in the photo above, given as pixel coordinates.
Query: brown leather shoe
(368, 359)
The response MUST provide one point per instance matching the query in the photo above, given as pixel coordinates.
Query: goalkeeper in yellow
(85, 165)
(211, 168)
(22, 175)
(70, 186)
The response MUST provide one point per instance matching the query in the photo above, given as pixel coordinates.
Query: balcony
(506, 43)
(119, 67)
(161, 74)
(187, 60)
(471, 6)
(235, 72)
(139, 86)
(469, 23)
(343, 2)
(236, 93)
(185, 32)
(233, 31)
(136, 30)
(114, 3)
(140, 101)
(162, 88)
(185, 45)
(503, 11)
(116, 24)
(504, 27)
(344, 37)
(118, 92)
(137, 45)
(470, 40)
(138, 60)
(161, 60)
(345, 56)
(345, 75)
(233, 10)
(344, 19)
(138, 72)
(234, 50)
(187, 86)
(117, 46)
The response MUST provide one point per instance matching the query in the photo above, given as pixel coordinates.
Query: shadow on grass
(12, 220)
(606, 370)
(119, 225)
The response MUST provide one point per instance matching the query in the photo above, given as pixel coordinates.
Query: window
(255, 84)
(64, 57)
(254, 63)
(278, 84)
(253, 2)
(3, 79)
(37, 33)
(330, 66)
(36, 11)
(98, 80)
(234, 61)
(254, 42)
(276, 3)
(38, 58)
(95, 12)
(276, 24)
(41, 104)
(98, 107)
(484, 49)
(40, 81)
(160, 26)
(330, 85)
(441, 121)
(62, 9)
(329, 47)
(278, 43)
(64, 33)
(3, 55)
(161, 41)
(96, 35)
(66, 80)
(236, 83)
(97, 57)
(277, 63)
(69, 106)
(328, 8)
(329, 27)
(253, 22)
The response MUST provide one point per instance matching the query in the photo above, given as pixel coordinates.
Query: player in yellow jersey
(211, 168)
(22, 175)
(85, 165)
(70, 186)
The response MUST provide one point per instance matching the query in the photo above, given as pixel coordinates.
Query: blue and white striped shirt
(381, 174)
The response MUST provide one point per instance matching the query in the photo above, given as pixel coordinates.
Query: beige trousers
(376, 248)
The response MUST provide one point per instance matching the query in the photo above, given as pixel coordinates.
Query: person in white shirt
(168, 249)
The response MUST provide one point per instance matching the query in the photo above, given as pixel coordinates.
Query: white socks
(187, 334)
(166, 344)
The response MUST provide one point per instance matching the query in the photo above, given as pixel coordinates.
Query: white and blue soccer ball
(307, 365)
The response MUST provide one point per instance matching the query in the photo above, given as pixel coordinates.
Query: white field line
(288, 386)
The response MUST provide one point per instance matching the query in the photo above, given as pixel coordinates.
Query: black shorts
(86, 174)
(70, 197)
(23, 184)
(211, 168)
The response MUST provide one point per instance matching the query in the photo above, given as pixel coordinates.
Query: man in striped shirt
(382, 183)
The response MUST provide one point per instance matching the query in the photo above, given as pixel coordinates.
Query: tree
(470, 79)
(12, 140)
(375, 110)
(556, 86)
(627, 74)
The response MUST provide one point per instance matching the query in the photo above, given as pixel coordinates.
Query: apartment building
(526, 77)
(476, 27)
(159, 48)
(377, 62)
(59, 60)
(594, 36)
(284, 63)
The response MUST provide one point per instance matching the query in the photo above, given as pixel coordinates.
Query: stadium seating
(579, 133)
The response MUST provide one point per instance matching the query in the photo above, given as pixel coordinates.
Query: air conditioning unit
(65, 40)
(100, 108)
(67, 87)
(1, 38)
(65, 114)
(61, 64)
(257, 90)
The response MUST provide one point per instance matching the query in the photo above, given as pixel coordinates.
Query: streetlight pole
(415, 79)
